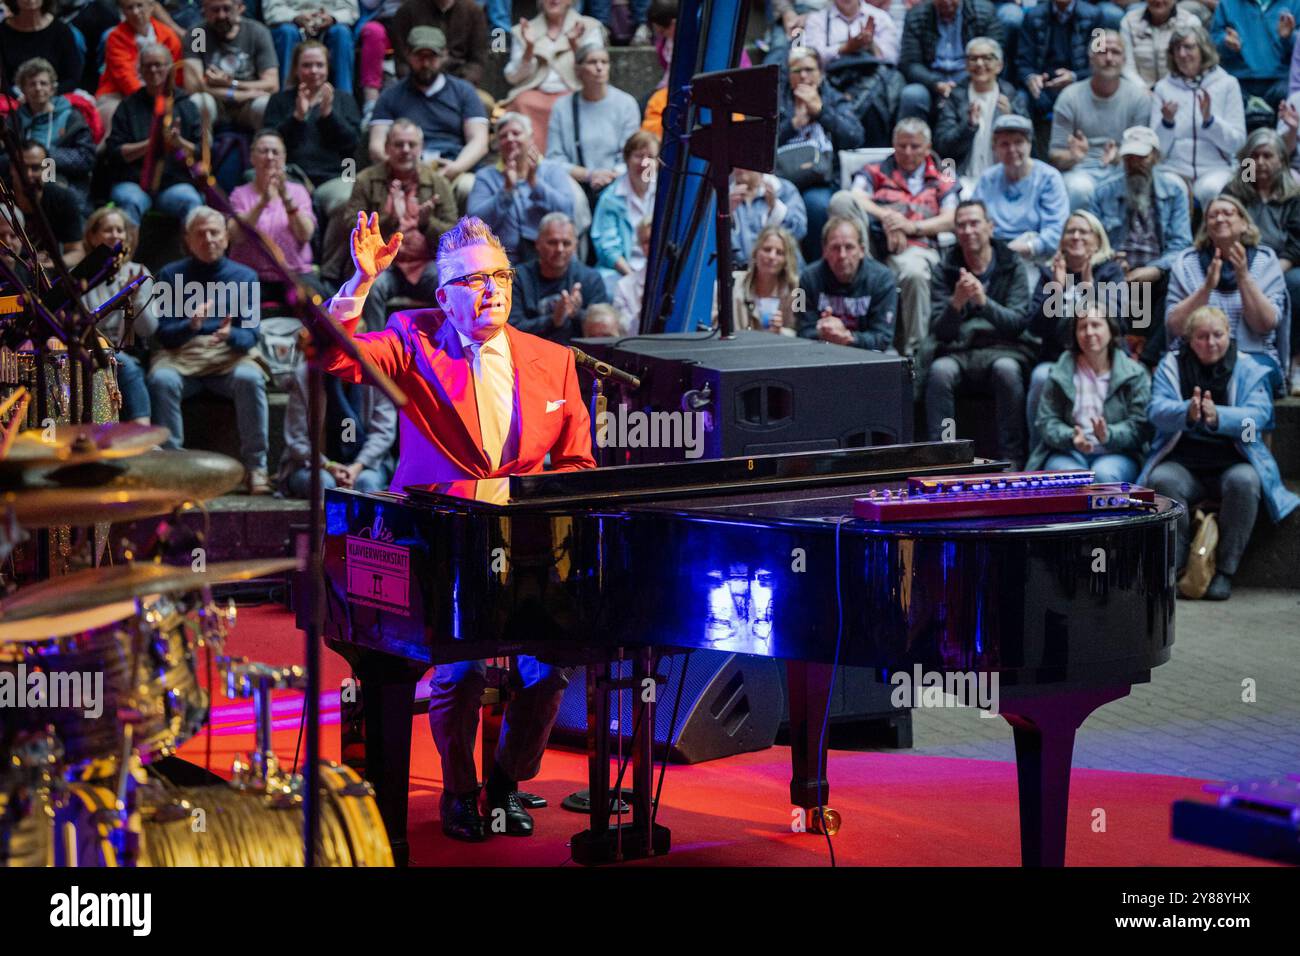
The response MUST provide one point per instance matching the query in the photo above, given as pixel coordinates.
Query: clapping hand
(1100, 430)
(567, 305)
(1203, 97)
(1081, 442)
(1232, 40)
(223, 331)
(1289, 115)
(1168, 110)
(1109, 152)
(1078, 146)
(1285, 24)
(1194, 406)
(1212, 274)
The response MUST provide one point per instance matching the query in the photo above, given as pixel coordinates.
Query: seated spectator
(663, 24)
(463, 24)
(760, 200)
(130, 146)
(446, 108)
(1197, 114)
(1255, 44)
(588, 128)
(964, 129)
(11, 246)
(59, 204)
(543, 62)
(1144, 211)
(787, 23)
(627, 201)
(1204, 400)
(552, 292)
(904, 202)
(107, 226)
(762, 296)
(48, 118)
(811, 111)
(1288, 121)
(410, 197)
(212, 348)
(1228, 269)
(30, 30)
(1090, 116)
(230, 65)
(1054, 50)
(932, 54)
(849, 27)
(121, 76)
(1083, 272)
(325, 21)
(514, 195)
(320, 129)
(1146, 30)
(180, 15)
(602, 321)
(373, 39)
(978, 338)
(848, 298)
(359, 457)
(1272, 197)
(1093, 413)
(1024, 197)
(280, 211)
(629, 292)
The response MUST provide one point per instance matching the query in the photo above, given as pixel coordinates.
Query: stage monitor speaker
(755, 395)
(860, 707)
(730, 704)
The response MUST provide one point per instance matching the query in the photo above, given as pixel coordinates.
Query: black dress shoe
(1220, 588)
(461, 820)
(505, 809)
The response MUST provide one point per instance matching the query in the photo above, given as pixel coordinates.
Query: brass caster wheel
(824, 820)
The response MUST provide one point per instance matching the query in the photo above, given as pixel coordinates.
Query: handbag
(1200, 558)
(804, 165)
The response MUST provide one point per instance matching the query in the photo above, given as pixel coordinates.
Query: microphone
(123, 295)
(604, 369)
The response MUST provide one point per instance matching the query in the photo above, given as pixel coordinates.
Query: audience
(1090, 116)
(463, 24)
(762, 295)
(1254, 42)
(121, 76)
(513, 195)
(629, 291)
(59, 204)
(131, 149)
(552, 292)
(1093, 412)
(847, 297)
(49, 118)
(1055, 50)
(373, 37)
(1146, 30)
(759, 201)
(978, 339)
(359, 435)
(319, 125)
(543, 62)
(31, 29)
(964, 129)
(1210, 406)
(325, 21)
(107, 226)
(904, 202)
(231, 65)
(603, 321)
(932, 54)
(630, 199)
(213, 347)
(851, 27)
(589, 127)
(1198, 115)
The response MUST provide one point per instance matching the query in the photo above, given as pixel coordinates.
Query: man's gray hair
(987, 42)
(913, 124)
(469, 231)
(202, 212)
(554, 219)
(403, 123)
(151, 48)
(518, 119)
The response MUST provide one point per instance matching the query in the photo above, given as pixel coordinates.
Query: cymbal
(199, 475)
(96, 586)
(76, 444)
(52, 507)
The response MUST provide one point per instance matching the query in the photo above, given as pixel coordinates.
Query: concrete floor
(1190, 720)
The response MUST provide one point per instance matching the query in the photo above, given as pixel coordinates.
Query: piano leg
(387, 695)
(809, 684)
(1044, 729)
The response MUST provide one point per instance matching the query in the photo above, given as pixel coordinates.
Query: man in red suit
(484, 401)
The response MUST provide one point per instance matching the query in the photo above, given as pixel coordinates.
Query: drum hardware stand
(325, 335)
(247, 680)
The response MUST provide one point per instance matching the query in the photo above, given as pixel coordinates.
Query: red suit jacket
(439, 433)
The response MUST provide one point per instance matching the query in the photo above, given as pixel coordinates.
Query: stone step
(210, 425)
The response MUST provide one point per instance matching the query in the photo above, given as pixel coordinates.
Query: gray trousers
(982, 369)
(1237, 489)
(455, 698)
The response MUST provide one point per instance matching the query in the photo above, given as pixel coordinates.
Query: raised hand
(370, 253)
(1168, 110)
(1203, 98)
(1289, 115)
(1212, 274)
(526, 34)
(1232, 40)
(1285, 25)
(1237, 257)
(1059, 272)
(574, 33)
(326, 99)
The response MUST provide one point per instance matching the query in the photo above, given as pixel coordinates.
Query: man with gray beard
(1144, 210)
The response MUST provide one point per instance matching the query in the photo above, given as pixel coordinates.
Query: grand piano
(751, 555)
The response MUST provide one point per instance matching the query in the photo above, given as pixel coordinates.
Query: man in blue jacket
(552, 292)
(1255, 39)
(844, 297)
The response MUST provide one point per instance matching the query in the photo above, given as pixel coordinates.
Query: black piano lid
(709, 477)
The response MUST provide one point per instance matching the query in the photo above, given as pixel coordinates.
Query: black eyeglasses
(477, 281)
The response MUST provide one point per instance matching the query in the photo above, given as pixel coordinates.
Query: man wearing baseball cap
(462, 23)
(446, 108)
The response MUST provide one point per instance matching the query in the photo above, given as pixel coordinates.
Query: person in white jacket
(1197, 115)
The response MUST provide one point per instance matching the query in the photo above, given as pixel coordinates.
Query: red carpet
(898, 809)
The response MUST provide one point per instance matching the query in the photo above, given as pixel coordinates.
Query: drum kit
(102, 678)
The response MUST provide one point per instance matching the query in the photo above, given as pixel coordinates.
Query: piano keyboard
(1000, 494)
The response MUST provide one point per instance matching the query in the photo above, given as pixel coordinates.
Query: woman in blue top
(1210, 404)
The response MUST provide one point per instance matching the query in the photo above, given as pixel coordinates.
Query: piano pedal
(830, 825)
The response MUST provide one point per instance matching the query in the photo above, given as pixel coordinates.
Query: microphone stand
(325, 335)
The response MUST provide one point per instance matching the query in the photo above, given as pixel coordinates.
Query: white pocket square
(552, 406)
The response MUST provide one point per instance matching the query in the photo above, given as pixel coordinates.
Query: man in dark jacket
(1053, 50)
(933, 52)
(977, 331)
(844, 297)
(552, 292)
